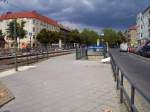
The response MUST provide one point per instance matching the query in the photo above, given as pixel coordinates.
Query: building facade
(132, 35)
(65, 31)
(34, 23)
(143, 23)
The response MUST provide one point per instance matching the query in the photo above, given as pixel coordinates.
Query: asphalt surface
(136, 69)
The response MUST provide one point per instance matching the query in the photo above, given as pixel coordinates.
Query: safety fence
(7, 62)
(129, 92)
(87, 53)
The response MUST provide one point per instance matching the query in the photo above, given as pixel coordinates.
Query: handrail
(131, 101)
(32, 54)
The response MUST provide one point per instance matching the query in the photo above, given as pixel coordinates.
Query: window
(34, 21)
(50, 27)
(33, 36)
(149, 32)
(34, 44)
(141, 35)
(12, 45)
(37, 22)
(33, 29)
(149, 22)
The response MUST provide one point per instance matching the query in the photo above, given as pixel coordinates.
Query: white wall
(143, 20)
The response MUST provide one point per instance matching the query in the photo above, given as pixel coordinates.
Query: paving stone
(63, 84)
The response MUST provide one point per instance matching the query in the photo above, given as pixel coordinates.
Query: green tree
(1, 33)
(89, 37)
(2, 40)
(113, 37)
(55, 36)
(10, 29)
(43, 36)
(20, 32)
(121, 37)
(74, 37)
(110, 36)
(60, 36)
(17, 32)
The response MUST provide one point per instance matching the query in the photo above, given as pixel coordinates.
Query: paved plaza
(62, 84)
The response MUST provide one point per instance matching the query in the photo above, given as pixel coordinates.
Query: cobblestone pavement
(63, 84)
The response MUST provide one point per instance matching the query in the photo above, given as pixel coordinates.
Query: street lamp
(102, 37)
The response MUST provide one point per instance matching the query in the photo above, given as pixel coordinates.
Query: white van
(123, 47)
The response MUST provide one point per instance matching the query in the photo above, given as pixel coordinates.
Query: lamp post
(102, 37)
(105, 45)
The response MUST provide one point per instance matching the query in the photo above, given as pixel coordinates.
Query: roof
(31, 14)
(133, 27)
(64, 28)
(146, 9)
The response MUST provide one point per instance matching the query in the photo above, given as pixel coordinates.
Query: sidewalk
(62, 84)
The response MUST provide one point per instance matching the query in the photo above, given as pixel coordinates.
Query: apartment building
(132, 35)
(143, 23)
(34, 23)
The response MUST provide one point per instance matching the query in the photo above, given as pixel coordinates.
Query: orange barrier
(24, 45)
(131, 50)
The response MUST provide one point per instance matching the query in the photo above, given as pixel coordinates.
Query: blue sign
(96, 47)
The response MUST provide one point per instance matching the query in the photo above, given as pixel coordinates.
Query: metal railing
(120, 78)
(84, 53)
(27, 58)
(81, 53)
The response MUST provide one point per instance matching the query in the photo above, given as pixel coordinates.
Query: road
(136, 68)
(62, 84)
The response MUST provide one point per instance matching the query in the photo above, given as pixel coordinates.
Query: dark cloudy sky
(96, 14)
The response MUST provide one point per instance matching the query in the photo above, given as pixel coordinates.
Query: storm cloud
(97, 14)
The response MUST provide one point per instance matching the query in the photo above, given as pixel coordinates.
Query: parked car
(144, 50)
(123, 47)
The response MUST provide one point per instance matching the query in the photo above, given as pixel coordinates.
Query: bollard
(47, 54)
(16, 60)
(76, 53)
(37, 57)
(86, 53)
